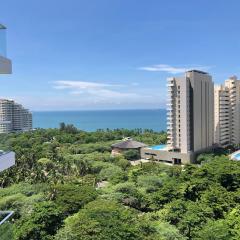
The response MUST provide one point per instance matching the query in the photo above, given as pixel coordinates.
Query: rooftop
(129, 144)
(197, 71)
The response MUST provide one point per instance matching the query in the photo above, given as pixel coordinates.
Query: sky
(114, 54)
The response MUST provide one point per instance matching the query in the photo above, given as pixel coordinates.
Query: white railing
(6, 227)
(8, 215)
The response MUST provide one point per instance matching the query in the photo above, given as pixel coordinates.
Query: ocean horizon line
(91, 120)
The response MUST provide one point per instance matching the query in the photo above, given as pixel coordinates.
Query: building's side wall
(217, 91)
(236, 131)
(184, 137)
(178, 114)
(171, 113)
(233, 86)
(166, 156)
(203, 110)
(222, 111)
(211, 116)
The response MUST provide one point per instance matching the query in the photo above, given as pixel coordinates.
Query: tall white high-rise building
(14, 117)
(190, 119)
(190, 112)
(227, 112)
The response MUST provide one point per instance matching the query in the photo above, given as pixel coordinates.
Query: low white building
(14, 117)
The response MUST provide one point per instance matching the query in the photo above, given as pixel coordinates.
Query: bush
(72, 197)
(150, 182)
(41, 224)
(131, 154)
(113, 174)
(101, 220)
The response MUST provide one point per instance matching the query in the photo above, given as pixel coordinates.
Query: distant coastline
(91, 120)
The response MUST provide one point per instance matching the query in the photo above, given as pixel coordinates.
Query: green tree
(131, 154)
(42, 223)
(233, 220)
(71, 197)
(100, 220)
(214, 230)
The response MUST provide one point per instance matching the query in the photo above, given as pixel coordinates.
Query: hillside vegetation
(53, 190)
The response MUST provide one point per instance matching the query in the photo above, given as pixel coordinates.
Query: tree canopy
(66, 185)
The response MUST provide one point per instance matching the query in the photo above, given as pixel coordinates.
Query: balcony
(233, 95)
(170, 84)
(170, 113)
(170, 119)
(170, 128)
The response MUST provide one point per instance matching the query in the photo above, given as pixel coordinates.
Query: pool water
(237, 156)
(159, 147)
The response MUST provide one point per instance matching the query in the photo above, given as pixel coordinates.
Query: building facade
(14, 117)
(190, 112)
(227, 112)
(190, 118)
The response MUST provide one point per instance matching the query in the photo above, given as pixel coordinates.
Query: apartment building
(190, 118)
(22, 118)
(227, 112)
(190, 112)
(14, 117)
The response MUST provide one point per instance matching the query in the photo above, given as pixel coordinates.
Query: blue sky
(114, 54)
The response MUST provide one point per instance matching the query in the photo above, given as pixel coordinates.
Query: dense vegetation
(66, 185)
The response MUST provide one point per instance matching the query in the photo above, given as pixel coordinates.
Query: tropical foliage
(66, 185)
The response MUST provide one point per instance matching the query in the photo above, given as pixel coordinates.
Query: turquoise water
(112, 119)
(237, 156)
(159, 147)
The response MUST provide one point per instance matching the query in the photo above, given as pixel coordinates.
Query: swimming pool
(236, 156)
(160, 147)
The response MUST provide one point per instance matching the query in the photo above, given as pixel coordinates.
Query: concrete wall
(166, 156)
(203, 109)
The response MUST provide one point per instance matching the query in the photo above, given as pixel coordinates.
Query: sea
(103, 119)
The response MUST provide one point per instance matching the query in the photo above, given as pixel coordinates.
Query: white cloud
(80, 85)
(98, 91)
(171, 69)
